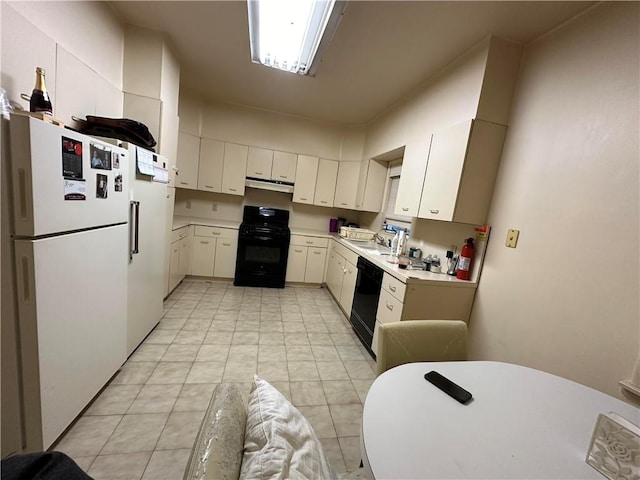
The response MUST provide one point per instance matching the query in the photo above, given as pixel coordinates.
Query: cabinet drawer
(394, 286)
(215, 232)
(348, 254)
(179, 233)
(389, 308)
(304, 241)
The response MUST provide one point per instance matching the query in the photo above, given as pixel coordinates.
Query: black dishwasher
(365, 301)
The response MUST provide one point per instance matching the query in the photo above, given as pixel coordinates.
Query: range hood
(272, 185)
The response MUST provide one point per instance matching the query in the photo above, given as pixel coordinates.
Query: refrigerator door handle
(135, 221)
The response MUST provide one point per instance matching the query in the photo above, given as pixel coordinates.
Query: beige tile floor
(144, 423)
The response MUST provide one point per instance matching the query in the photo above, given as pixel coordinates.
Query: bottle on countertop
(40, 101)
(393, 255)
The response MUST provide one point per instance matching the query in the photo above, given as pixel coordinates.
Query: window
(392, 218)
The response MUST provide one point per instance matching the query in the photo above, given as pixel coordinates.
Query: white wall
(262, 128)
(566, 299)
(80, 45)
(449, 98)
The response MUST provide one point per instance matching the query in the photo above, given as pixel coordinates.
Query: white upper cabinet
(371, 184)
(461, 172)
(211, 165)
(326, 182)
(188, 158)
(306, 175)
(234, 169)
(346, 185)
(414, 165)
(271, 165)
(284, 166)
(259, 163)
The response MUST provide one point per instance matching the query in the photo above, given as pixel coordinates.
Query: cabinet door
(174, 265)
(211, 163)
(414, 165)
(259, 163)
(335, 273)
(346, 185)
(226, 252)
(348, 286)
(444, 172)
(316, 258)
(188, 158)
(373, 191)
(234, 168)
(306, 175)
(326, 182)
(184, 261)
(284, 166)
(203, 256)
(296, 263)
(168, 218)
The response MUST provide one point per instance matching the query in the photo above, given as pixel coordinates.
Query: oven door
(262, 258)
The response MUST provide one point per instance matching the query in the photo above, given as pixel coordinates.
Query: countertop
(408, 275)
(179, 222)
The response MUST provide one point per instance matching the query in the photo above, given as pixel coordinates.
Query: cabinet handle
(296, 250)
(233, 189)
(226, 244)
(342, 203)
(317, 253)
(258, 173)
(204, 242)
(405, 209)
(309, 242)
(216, 233)
(303, 198)
(323, 201)
(283, 176)
(434, 211)
(208, 186)
(392, 288)
(389, 306)
(184, 183)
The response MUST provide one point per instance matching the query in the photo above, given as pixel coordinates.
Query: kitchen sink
(374, 249)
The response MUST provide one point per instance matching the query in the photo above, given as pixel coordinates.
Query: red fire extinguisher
(464, 263)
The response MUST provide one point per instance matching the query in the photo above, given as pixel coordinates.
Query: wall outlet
(214, 207)
(512, 238)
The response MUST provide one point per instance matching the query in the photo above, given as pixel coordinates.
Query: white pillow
(279, 442)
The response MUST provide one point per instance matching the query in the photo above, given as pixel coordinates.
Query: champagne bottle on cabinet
(40, 101)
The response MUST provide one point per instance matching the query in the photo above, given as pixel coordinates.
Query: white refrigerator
(145, 277)
(70, 206)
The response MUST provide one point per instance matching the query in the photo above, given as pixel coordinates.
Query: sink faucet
(379, 239)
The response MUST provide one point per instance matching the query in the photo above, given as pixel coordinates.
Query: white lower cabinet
(214, 251)
(226, 251)
(342, 274)
(421, 301)
(203, 256)
(180, 256)
(307, 259)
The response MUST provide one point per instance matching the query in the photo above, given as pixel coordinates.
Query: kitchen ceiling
(381, 52)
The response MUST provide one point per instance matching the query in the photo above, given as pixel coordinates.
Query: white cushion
(279, 442)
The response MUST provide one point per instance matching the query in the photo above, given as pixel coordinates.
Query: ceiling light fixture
(289, 34)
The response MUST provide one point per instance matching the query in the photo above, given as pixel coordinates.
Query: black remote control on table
(448, 387)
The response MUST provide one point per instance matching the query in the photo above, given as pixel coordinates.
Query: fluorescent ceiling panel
(286, 34)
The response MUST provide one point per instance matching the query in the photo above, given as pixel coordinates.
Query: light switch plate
(512, 238)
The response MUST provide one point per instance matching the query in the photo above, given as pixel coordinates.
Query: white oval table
(521, 424)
